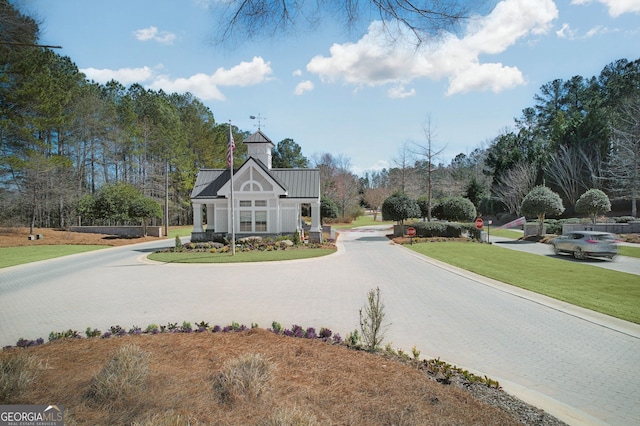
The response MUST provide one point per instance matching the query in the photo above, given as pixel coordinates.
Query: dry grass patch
(17, 372)
(123, 379)
(302, 381)
(243, 379)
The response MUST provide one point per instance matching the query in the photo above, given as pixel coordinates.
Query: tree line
(579, 134)
(64, 138)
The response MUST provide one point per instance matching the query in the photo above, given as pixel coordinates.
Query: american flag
(230, 149)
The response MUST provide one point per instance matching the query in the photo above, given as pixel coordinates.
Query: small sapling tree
(371, 317)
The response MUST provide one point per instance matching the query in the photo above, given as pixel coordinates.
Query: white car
(583, 244)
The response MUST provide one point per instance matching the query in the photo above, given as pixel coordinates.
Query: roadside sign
(479, 223)
(411, 231)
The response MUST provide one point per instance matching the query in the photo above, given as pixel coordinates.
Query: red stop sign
(411, 231)
(479, 223)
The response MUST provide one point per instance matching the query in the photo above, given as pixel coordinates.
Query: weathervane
(253, 117)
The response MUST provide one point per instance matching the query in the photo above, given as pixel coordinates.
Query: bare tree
(430, 155)
(624, 167)
(402, 174)
(374, 197)
(338, 183)
(566, 170)
(514, 185)
(255, 19)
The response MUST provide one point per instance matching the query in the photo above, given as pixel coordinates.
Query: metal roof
(209, 182)
(258, 137)
(299, 183)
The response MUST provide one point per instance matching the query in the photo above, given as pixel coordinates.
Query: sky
(349, 93)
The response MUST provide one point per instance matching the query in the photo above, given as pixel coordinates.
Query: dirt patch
(18, 237)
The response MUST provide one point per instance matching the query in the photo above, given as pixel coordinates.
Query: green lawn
(366, 220)
(629, 251)
(505, 233)
(11, 256)
(252, 256)
(180, 231)
(609, 292)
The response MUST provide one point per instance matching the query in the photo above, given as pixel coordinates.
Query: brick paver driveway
(580, 367)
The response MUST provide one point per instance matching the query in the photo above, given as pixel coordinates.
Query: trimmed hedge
(445, 229)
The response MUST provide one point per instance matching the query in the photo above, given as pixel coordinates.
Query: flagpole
(231, 147)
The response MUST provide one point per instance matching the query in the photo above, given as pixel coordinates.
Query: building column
(315, 217)
(315, 233)
(211, 208)
(197, 217)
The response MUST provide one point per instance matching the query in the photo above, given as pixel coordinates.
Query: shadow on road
(372, 239)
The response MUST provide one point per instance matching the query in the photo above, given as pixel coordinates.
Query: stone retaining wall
(614, 228)
(125, 231)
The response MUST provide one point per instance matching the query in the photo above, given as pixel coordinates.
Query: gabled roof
(258, 137)
(297, 183)
(209, 182)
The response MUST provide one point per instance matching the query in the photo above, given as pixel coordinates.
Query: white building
(266, 201)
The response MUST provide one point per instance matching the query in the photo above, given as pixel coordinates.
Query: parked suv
(583, 244)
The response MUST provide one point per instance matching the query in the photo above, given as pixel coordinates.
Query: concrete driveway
(580, 366)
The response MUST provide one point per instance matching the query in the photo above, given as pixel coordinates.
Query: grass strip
(252, 256)
(11, 256)
(629, 251)
(609, 292)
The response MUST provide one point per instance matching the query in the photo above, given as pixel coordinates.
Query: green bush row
(445, 229)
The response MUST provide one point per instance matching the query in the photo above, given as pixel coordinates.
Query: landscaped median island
(238, 375)
(249, 249)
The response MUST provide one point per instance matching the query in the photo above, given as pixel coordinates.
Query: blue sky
(345, 92)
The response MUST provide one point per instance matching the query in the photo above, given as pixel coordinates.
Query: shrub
(17, 372)
(624, 219)
(123, 378)
(399, 207)
(246, 377)
(178, 243)
(458, 209)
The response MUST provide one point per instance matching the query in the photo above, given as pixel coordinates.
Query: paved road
(580, 366)
(626, 264)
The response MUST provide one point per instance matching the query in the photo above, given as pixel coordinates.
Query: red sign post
(479, 223)
(411, 232)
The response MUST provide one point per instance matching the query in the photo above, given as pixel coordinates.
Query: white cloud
(599, 29)
(399, 92)
(126, 76)
(204, 86)
(375, 167)
(479, 77)
(565, 32)
(374, 61)
(297, 73)
(243, 74)
(616, 7)
(303, 86)
(152, 33)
